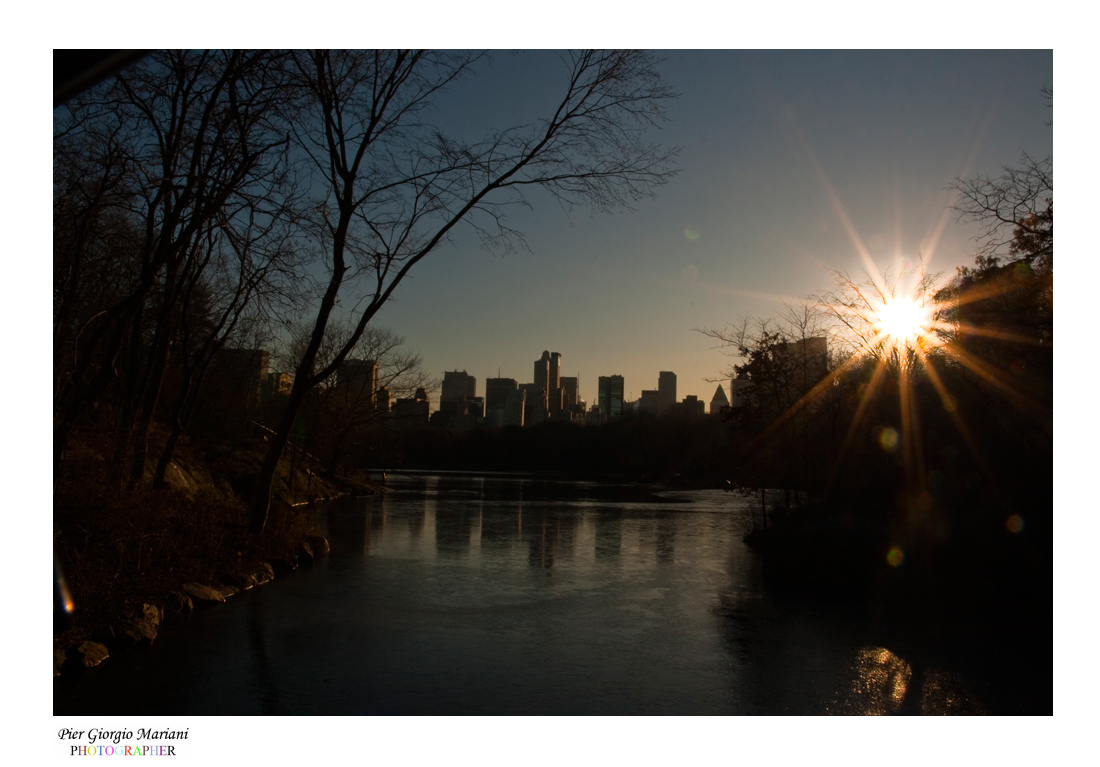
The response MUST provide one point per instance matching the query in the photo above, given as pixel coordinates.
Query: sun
(902, 320)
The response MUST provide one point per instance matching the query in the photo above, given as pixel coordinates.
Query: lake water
(471, 595)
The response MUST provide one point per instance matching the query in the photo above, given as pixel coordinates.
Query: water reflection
(609, 534)
(454, 596)
(261, 662)
(549, 536)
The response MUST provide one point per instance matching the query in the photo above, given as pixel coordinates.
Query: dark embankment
(133, 558)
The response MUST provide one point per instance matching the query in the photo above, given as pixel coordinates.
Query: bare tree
(855, 307)
(186, 149)
(342, 412)
(785, 365)
(392, 189)
(1015, 212)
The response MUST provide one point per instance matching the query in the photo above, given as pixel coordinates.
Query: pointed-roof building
(719, 400)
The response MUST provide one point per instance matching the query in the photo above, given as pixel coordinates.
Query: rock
(139, 630)
(318, 545)
(152, 614)
(126, 634)
(242, 581)
(59, 658)
(305, 554)
(178, 605)
(264, 573)
(91, 654)
(203, 593)
(227, 590)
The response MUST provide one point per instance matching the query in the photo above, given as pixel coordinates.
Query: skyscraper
(459, 388)
(611, 390)
(497, 391)
(357, 384)
(553, 385)
(570, 384)
(542, 382)
(666, 391)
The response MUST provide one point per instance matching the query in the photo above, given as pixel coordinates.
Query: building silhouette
(538, 394)
(548, 379)
(457, 387)
(797, 366)
(497, 391)
(610, 398)
(534, 408)
(459, 405)
(740, 392)
(514, 408)
(719, 401)
(359, 376)
(666, 391)
(356, 387)
(413, 411)
(501, 398)
(234, 387)
(570, 386)
(807, 360)
(692, 406)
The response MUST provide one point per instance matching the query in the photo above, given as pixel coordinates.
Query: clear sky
(776, 149)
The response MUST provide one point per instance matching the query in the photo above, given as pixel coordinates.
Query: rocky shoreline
(142, 626)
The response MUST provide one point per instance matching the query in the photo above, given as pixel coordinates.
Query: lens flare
(888, 439)
(895, 557)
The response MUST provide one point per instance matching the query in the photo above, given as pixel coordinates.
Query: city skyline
(791, 164)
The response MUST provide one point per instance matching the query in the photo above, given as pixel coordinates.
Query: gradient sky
(777, 148)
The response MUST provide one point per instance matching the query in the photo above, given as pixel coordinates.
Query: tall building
(413, 411)
(359, 375)
(650, 402)
(719, 400)
(666, 391)
(548, 378)
(570, 385)
(513, 408)
(611, 390)
(357, 384)
(497, 391)
(458, 386)
(692, 406)
(459, 390)
(554, 394)
(739, 392)
(234, 387)
(534, 404)
(542, 381)
(809, 361)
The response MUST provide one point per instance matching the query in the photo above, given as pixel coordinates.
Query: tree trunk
(181, 418)
(261, 501)
(151, 397)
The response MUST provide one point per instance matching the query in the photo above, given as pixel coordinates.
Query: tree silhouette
(391, 189)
